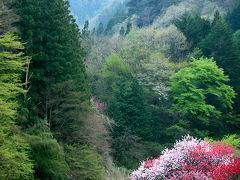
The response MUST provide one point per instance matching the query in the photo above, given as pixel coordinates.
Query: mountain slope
(95, 11)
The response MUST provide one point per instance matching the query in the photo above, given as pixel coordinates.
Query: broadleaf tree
(200, 92)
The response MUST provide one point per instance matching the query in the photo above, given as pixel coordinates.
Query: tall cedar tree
(194, 28)
(17, 147)
(128, 108)
(52, 39)
(220, 44)
(234, 18)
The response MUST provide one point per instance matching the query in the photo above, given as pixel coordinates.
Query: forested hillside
(110, 102)
(164, 69)
(95, 11)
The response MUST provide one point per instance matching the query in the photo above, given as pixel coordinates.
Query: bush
(191, 159)
(84, 162)
(15, 160)
(230, 140)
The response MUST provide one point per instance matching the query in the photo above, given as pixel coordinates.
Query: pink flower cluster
(99, 105)
(191, 159)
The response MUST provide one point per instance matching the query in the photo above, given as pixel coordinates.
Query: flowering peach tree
(191, 159)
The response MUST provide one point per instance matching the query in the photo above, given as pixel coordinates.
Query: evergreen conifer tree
(100, 29)
(129, 109)
(52, 40)
(220, 44)
(234, 18)
(194, 28)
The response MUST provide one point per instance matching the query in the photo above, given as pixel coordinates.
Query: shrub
(191, 158)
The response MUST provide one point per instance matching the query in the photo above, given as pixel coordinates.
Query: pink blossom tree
(189, 159)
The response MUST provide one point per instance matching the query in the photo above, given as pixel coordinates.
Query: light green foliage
(171, 42)
(137, 45)
(233, 140)
(11, 65)
(14, 156)
(48, 155)
(200, 90)
(14, 150)
(84, 163)
(205, 8)
(112, 71)
(115, 68)
(230, 140)
(147, 11)
(101, 49)
(155, 73)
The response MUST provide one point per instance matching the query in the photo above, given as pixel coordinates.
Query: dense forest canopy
(78, 102)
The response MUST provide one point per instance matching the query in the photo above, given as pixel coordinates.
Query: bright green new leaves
(14, 156)
(115, 68)
(11, 65)
(200, 90)
(14, 150)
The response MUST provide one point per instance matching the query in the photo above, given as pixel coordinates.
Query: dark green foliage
(58, 83)
(127, 150)
(237, 37)
(221, 45)
(194, 28)
(234, 18)
(118, 17)
(129, 26)
(129, 109)
(100, 29)
(52, 39)
(85, 39)
(65, 110)
(148, 10)
(122, 31)
(127, 106)
(84, 163)
(61, 136)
